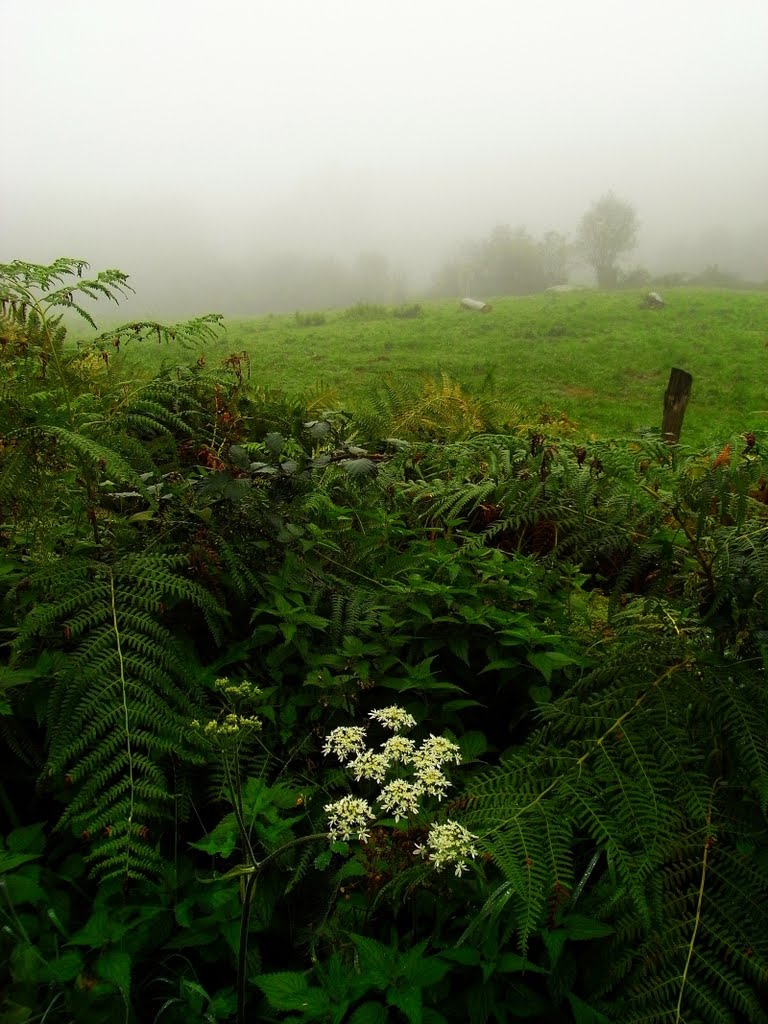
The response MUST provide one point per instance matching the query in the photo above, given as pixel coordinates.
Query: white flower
(432, 781)
(398, 749)
(394, 718)
(369, 765)
(401, 798)
(449, 843)
(345, 742)
(347, 816)
(435, 751)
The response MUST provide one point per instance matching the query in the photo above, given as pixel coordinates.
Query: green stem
(252, 871)
(126, 721)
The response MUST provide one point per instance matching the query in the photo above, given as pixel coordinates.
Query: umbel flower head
(436, 751)
(448, 844)
(369, 765)
(399, 795)
(401, 798)
(347, 816)
(393, 717)
(346, 742)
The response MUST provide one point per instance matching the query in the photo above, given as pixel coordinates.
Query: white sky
(150, 128)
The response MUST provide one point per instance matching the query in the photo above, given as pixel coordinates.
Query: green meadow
(599, 360)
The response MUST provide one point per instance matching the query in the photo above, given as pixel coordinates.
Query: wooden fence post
(675, 400)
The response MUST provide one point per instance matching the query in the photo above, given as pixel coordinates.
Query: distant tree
(510, 262)
(556, 257)
(607, 229)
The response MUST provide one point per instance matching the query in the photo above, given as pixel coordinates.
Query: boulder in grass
(477, 305)
(653, 301)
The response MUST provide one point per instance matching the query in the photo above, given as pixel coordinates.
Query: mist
(254, 157)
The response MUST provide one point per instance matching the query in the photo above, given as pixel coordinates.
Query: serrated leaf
(408, 1001)
(318, 428)
(472, 744)
(359, 469)
(224, 1003)
(548, 661)
(274, 442)
(289, 990)
(462, 955)
(29, 839)
(369, 1013)
(114, 966)
(221, 840)
(579, 926)
(511, 963)
(238, 456)
(24, 886)
(323, 860)
(66, 967)
(9, 861)
(377, 961)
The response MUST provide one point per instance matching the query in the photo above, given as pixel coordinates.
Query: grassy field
(597, 358)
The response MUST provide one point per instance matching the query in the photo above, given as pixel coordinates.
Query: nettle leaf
(377, 961)
(29, 839)
(289, 990)
(359, 469)
(472, 744)
(238, 456)
(66, 967)
(369, 1013)
(548, 661)
(224, 1003)
(221, 840)
(274, 442)
(318, 428)
(322, 860)
(408, 1001)
(114, 967)
(579, 926)
(9, 861)
(24, 886)
(512, 963)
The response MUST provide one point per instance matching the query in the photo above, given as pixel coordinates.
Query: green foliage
(587, 619)
(309, 319)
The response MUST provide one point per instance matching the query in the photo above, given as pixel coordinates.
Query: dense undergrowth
(201, 579)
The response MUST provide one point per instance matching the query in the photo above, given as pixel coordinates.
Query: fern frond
(119, 709)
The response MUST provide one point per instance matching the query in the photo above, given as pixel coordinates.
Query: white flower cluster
(449, 843)
(347, 816)
(345, 742)
(399, 796)
(394, 718)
